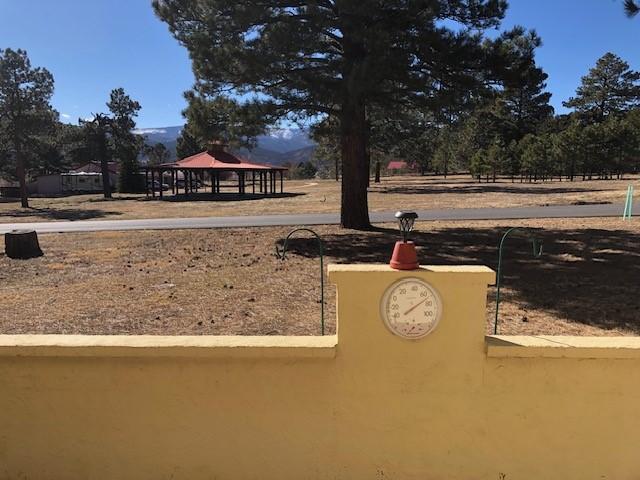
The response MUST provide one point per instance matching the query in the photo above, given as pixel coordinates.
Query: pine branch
(631, 8)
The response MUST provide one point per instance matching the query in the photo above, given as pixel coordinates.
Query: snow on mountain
(282, 133)
(272, 147)
(148, 131)
(159, 135)
(284, 140)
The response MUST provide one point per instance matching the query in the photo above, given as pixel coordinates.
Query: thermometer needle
(414, 307)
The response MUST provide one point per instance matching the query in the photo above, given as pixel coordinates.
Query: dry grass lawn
(230, 282)
(320, 196)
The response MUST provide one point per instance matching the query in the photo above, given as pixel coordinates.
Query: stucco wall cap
(153, 345)
(476, 271)
(552, 346)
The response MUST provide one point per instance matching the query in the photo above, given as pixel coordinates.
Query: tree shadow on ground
(221, 197)
(59, 213)
(586, 276)
(481, 188)
(119, 198)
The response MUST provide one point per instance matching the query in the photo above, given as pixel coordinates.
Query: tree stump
(22, 244)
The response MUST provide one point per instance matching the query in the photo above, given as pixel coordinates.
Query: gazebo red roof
(218, 160)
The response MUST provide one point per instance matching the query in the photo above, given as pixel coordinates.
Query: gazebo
(215, 161)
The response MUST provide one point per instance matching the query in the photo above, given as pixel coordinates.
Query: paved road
(558, 211)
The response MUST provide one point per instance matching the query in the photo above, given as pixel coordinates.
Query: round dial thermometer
(411, 308)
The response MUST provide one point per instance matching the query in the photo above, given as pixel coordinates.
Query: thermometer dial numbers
(411, 308)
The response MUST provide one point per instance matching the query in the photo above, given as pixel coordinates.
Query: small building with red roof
(396, 166)
(216, 163)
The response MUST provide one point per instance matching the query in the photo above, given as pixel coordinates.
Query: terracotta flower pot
(404, 256)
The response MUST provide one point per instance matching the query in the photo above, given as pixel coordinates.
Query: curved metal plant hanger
(282, 255)
(537, 252)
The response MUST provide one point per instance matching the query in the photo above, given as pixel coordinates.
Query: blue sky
(93, 46)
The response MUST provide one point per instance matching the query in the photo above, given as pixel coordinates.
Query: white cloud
(65, 116)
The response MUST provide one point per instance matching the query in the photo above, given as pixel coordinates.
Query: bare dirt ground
(322, 196)
(230, 282)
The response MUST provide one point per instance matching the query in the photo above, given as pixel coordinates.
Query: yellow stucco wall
(361, 405)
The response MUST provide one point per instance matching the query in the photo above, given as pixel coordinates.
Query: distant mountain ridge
(279, 146)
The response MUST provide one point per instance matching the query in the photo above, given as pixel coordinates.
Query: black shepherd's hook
(281, 256)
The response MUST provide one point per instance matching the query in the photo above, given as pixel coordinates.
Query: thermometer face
(411, 308)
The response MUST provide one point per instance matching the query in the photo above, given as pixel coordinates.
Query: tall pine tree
(25, 114)
(187, 144)
(220, 118)
(125, 144)
(96, 132)
(610, 88)
(523, 94)
(337, 58)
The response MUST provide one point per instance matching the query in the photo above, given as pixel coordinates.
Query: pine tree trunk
(368, 166)
(104, 166)
(377, 180)
(106, 180)
(22, 244)
(354, 211)
(22, 180)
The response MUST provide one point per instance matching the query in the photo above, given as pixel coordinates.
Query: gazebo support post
(281, 181)
(146, 182)
(153, 181)
(253, 182)
(160, 173)
(185, 176)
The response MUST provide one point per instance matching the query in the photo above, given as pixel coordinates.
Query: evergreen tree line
(34, 142)
(603, 150)
(515, 134)
(511, 130)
